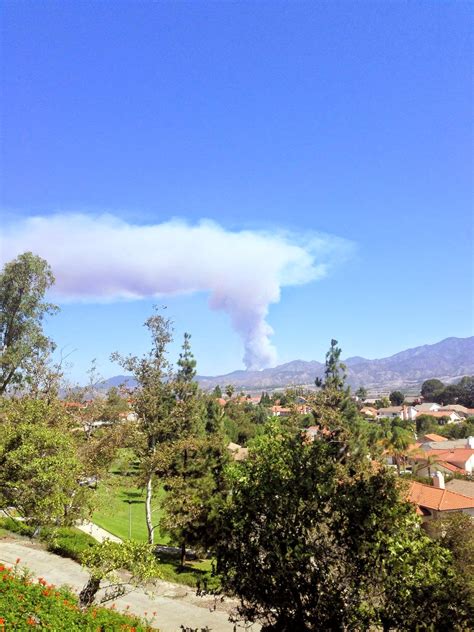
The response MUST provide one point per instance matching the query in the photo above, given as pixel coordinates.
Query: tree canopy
(23, 284)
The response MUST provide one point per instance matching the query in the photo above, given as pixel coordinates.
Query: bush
(70, 542)
(64, 541)
(25, 604)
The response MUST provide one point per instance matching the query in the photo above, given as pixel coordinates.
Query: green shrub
(26, 604)
(64, 541)
(70, 542)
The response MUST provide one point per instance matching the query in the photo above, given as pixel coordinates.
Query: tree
(455, 531)
(313, 538)
(431, 388)
(466, 391)
(397, 440)
(104, 560)
(114, 406)
(196, 463)
(384, 402)
(40, 472)
(229, 390)
(23, 284)
(217, 392)
(449, 395)
(154, 402)
(361, 392)
(396, 398)
(335, 370)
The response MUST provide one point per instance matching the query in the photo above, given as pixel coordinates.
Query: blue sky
(349, 119)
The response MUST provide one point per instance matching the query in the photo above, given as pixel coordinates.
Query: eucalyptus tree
(23, 285)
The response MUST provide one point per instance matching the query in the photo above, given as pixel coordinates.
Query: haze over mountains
(447, 360)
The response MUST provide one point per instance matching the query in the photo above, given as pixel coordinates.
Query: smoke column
(105, 258)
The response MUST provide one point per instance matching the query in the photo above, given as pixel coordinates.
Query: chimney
(470, 442)
(438, 480)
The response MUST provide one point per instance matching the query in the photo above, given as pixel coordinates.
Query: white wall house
(400, 412)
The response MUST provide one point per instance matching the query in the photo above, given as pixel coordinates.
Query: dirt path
(174, 604)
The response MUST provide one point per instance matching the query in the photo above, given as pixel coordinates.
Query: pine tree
(196, 464)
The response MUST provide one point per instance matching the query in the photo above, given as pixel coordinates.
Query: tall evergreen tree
(196, 465)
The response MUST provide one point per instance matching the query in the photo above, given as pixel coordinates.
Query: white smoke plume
(98, 258)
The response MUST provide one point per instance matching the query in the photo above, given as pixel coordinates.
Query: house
(449, 457)
(461, 486)
(427, 407)
(397, 412)
(432, 437)
(447, 416)
(280, 411)
(462, 411)
(436, 500)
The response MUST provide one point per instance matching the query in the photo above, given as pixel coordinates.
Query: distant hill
(447, 360)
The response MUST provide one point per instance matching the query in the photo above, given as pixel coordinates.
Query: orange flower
(31, 621)
(2, 621)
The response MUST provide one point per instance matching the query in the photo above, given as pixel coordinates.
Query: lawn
(121, 510)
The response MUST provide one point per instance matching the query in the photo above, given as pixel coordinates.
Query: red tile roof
(438, 499)
(434, 437)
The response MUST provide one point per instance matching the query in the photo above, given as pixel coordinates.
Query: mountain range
(448, 360)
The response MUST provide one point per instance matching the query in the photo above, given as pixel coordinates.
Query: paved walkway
(175, 605)
(97, 532)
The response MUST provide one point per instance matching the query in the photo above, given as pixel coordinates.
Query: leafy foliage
(23, 284)
(32, 454)
(105, 559)
(396, 398)
(314, 539)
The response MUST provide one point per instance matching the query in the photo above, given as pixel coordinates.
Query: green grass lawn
(118, 499)
(121, 510)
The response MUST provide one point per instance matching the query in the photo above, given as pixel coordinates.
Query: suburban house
(427, 407)
(432, 437)
(397, 412)
(280, 411)
(461, 486)
(436, 500)
(448, 457)
(451, 416)
(462, 411)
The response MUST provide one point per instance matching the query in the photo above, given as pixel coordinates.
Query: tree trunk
(149, 521)
(183, 553)
(88, 593)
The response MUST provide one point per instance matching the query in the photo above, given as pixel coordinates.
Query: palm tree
(396, 441)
